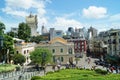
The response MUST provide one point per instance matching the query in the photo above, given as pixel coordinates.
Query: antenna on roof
(30, 13)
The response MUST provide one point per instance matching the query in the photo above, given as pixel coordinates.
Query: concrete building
(32, 22)
(24, 48)
(43, 30)
(92, 35)
(111, 40)
(55, 33)
(62, 51)
(114, 42)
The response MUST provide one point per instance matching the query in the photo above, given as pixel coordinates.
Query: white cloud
(95, 12)
(115, 17)
(26, 4)
(8, 10)
(63, 23)
(22, 8)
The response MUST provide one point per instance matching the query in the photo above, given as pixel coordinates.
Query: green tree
(41, 56)
(2, 27)
(8, 49)
(18, 59)
(12, 34)
(24, 32)
(37, 39)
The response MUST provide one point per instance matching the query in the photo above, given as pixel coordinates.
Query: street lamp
(43, 60)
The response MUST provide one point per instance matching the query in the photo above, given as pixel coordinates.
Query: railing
(19, 75)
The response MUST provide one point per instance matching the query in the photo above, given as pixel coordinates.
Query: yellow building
(62, 51)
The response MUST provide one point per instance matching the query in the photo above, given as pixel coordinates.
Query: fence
(19, 75)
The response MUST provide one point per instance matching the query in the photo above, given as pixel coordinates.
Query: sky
(61, 14)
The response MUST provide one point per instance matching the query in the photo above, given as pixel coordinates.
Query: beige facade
(31, 20)
(62, 51)
(25, 49)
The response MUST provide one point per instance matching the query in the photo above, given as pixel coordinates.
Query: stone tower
(32, 22)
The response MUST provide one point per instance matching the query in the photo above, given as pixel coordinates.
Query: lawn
(75, 74)
(7, 67)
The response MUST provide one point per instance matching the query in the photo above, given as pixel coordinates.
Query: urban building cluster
(75, 43)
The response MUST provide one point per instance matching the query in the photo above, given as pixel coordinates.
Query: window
(70, 50)
(24, 51)
(62, 59)
(53, 50)
(61, 50)
(27, 51)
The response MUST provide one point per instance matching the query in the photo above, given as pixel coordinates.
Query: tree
(8, 49)
(19, 59)
(24, 32)
(41, 56)
(37, 39)
(2, 27)
(12, 34)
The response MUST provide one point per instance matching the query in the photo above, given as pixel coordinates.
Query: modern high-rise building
(55, 33)
(32, 22)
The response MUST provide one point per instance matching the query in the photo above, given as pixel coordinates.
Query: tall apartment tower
(32, 22)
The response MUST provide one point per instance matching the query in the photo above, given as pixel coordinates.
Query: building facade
(55, 33)
(62, 51)
(32, 22)
(80, 47)
(111, 38)
(24, 48)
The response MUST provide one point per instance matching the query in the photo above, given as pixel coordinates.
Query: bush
(19, 59)
(103, 72)
(49, 72)
(35, 77)
(17, 68)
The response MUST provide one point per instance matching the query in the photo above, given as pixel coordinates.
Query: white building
(32, 22)
(24, 49)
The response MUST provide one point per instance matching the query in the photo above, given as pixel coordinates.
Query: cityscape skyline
(100, 14)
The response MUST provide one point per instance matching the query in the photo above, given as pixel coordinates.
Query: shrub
(103, 72)
(50, 72)
(81, 68)
(17, 68)
(35, 77)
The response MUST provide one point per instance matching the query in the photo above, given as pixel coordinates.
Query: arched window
(53, 50)
(62, 59)
(70, 50)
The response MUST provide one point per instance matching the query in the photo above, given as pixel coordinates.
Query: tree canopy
(24, 32)
(7, 48)
(41, 56)
(19, 59)
(37, 39)
(2, 26)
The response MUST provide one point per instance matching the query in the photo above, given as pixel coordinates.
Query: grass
(7, 67)
(75, 74)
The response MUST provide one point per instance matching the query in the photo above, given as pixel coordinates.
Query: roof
(58, 39)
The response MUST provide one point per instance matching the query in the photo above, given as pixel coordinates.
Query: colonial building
(24, 48)
(62, 51)
(32, 22)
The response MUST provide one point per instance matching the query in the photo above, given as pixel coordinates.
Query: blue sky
(61, 14)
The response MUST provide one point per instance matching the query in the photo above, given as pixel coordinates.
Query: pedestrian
(58, 66)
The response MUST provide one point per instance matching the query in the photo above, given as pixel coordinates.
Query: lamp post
(43, 60)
